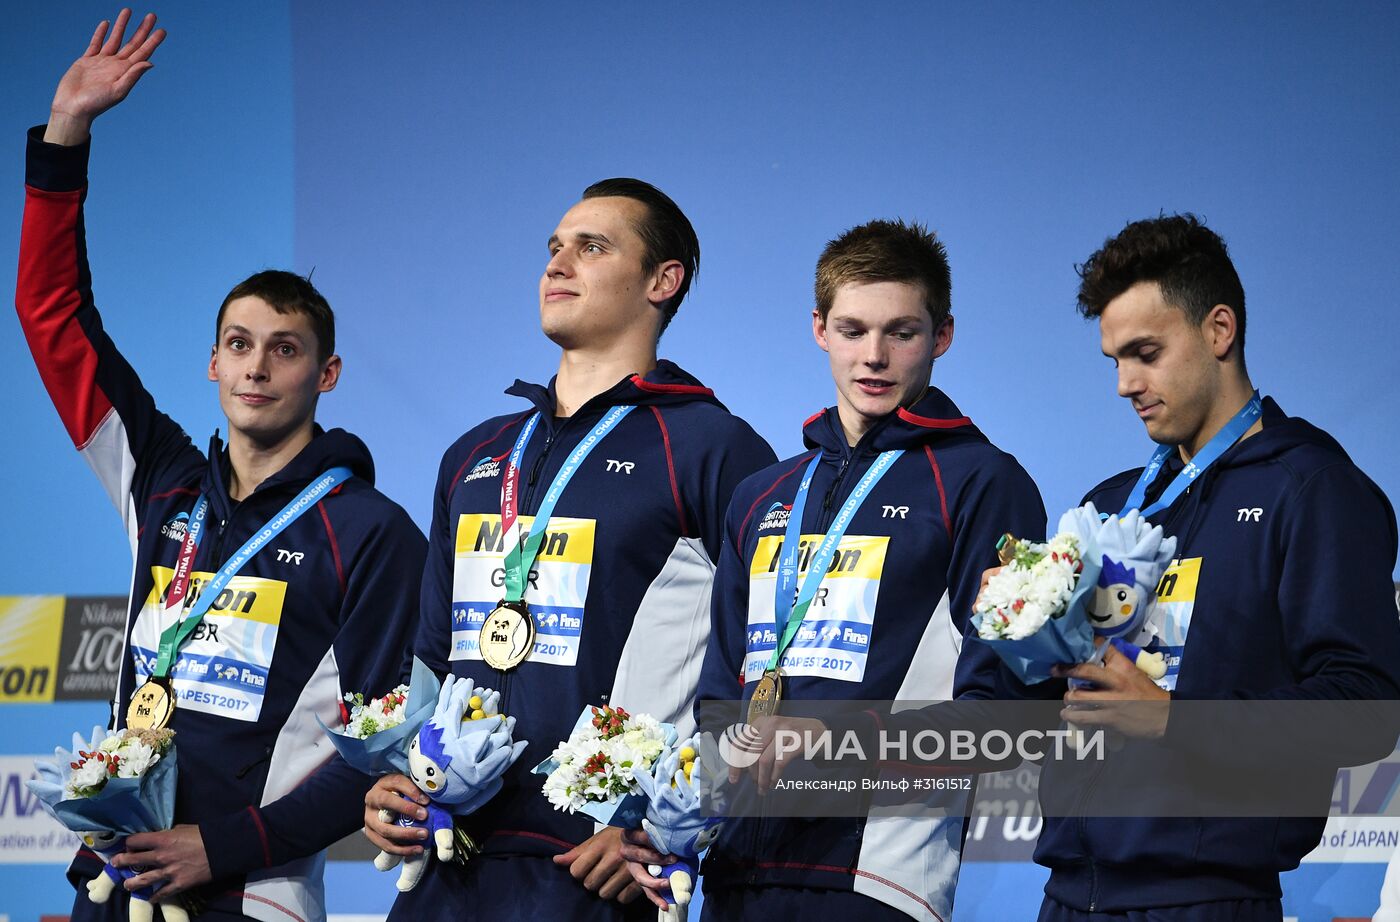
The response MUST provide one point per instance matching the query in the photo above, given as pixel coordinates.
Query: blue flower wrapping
(387, 751)
(124, 805)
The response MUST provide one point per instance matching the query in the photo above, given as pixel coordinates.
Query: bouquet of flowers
(1096, 577)
(674, 820)
(448, 737)
(377, 731)
(117, 784)
(595, 770)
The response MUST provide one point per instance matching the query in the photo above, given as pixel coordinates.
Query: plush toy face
(98, 839)
(705, 839)
(1117, 602)
(1113, 605)
(426, 773)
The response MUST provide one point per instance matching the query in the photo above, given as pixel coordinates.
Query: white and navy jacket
(889, 624)
(620, 591)
(327, 608)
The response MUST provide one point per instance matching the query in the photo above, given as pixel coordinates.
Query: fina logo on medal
(776, 516)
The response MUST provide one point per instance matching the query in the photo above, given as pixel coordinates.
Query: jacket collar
(932, 418)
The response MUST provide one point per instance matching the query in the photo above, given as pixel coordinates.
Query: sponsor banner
(556, 588)
(1175, 602)
(1005, 820)
(90, 654)
(222, 668)
(30, 628)
(28, 835)
(834, 639)
(1357, 839)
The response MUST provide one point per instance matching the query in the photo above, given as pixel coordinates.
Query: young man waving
(270, 575)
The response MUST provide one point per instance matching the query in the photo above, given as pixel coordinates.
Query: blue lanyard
(173, 636)
(1228, 435)
(785, 606)
(520, 555)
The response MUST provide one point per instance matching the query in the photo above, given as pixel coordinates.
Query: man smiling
(614, 609)
(252, 655)
(912, 497)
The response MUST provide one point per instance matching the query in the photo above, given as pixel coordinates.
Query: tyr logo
(1248, 515)
(895, 512)
(623, 466)
(290, 556)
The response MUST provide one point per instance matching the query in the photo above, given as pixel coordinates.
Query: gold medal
(507, 636)
(1006, 549)
(152, 706)
(767, 695)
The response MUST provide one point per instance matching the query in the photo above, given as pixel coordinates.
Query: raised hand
(101, 78)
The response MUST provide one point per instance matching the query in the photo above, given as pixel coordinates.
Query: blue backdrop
(418, 156)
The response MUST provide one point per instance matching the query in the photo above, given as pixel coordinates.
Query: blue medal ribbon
(1228, 435)
(789, 611)
(520, 555)
(175, 635)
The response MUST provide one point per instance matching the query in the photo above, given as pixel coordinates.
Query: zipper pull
(831, 493)
(539, 462)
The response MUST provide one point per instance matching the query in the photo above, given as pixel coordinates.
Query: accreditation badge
(767, 696)
(152, 706)
(507, 636)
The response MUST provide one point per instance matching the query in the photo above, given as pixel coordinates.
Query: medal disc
(152, 706)
(767, 695)
(507, 636)
(1006, 549)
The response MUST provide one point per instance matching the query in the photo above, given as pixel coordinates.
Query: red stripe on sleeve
(262, 835)
(457, 477)
(48, 295)
(764, 495)
(671, 470)
(335, 546)
(938, 482)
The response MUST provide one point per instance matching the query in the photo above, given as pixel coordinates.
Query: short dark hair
(887, 251)
(287, 293)
(666, 232)
(1189, 262)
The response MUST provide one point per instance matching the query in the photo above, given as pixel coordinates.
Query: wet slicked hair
(666, 233)
(887, 251)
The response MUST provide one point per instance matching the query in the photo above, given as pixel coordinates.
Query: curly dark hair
(1187, 260)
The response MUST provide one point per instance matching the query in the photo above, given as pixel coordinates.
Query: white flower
(1035, 587)
(601, 769)
(136, 758)
(377, 714)
(86, 779)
